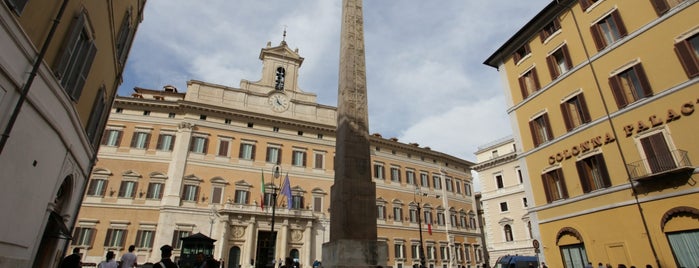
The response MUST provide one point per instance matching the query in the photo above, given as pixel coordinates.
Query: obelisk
(353, 240)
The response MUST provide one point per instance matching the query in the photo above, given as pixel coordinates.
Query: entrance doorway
(234, 257)
(265, 249)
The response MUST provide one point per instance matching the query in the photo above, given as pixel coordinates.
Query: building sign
(653, 121)
(581, 148)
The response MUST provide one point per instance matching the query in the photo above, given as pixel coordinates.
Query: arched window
(279, 81)
(508, 233)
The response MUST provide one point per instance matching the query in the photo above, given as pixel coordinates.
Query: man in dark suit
(165, 253)
(72, 260)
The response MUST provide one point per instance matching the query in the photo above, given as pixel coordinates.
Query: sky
(426, 80)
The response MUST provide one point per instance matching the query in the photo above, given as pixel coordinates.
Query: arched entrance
(234, 257)
(56, 233)
(681, 228)
(294, 254)
(572, 248)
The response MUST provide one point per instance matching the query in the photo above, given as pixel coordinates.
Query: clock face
(279, 102)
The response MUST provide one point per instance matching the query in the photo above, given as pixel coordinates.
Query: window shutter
(76, 236)
(123, 238)
(172, 142)
(206, 145)
(547, 126)
(643, 79)
(104, 188)
(77, 89)
(543, 35)
(191, 144)
(223, 148)
(93, 234)
(267, 159)
(304, 159)
(603, 170)
(119, 136)
(96, 116)
(583, 108)
(68, 48)
(138, 243)
(553, 69)
(160, 193)
(566, 116)
(600, 43)
(91, 188)
(523, 87)
(104, 137)
(690, 63)
(175, 238)
(135, 189)
(583, 175)
(535, 76)
(196, 194)
(216, 195)
(516, 57)
(247, 198)
(535, 136)
(240, 152)
(546, 181)
(564, 189)
(584, 4)
(122, 188)
(617, 92)
(619, 23)
(133, 139)
(108, 237)
(252, 157)
(566, 55)
(159, 144)
(660, 6)
(145, 146)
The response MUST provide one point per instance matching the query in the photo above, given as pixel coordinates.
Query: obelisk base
(355, 253)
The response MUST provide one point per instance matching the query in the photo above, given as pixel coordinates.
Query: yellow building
(602, 97)
(173, 164)
(60, 65)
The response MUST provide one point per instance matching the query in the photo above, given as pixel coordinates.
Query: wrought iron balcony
(660, 165)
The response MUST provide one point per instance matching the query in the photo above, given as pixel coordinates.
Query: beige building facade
(602, 97)
(61, 63)
(508, 225)
(173, 164)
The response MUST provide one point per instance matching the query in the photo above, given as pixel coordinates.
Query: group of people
(600, 265)
(128, 260)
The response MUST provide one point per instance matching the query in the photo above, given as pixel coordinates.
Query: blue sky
(425, 78)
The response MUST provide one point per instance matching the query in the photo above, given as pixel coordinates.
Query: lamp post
(419, 225)
(276, 173)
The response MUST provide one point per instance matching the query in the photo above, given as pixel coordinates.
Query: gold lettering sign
(686, 109)
(581, 148)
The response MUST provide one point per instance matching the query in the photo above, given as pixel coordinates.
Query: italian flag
(262, 193)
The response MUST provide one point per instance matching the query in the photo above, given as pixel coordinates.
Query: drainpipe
(30, 79)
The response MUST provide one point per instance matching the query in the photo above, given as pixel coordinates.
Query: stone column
(175, 171)
(307, 245)
(250, 244)
(283, 239)
(353, 196)
(222, 250)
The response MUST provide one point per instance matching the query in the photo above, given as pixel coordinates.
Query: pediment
(157, 175)
(505, 220)
(281, 51)
(131, 173)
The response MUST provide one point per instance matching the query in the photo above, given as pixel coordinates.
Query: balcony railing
(676, 161)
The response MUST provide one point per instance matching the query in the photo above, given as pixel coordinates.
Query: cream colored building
(508, 225)
(602, 97)
(174, 164)
(67, 58)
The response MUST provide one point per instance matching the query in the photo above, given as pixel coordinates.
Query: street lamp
(276, 173)
(419, 224)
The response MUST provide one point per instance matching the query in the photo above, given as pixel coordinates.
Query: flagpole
(276, 173)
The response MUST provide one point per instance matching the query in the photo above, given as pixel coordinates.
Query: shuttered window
(608, 30)
(593, 173)
(128, 189)
(155, 190)
(83, 236)
(140, 140)
(521, 53)
(658, 155)
(97, 187)
(223, 146)
(554, 185)
(575, 112)
(115, 238)
(247, 151)
(97, 118)
(112, 137)
(199, 145)
(549, 29)
(166, 142)
(662, 6)
(274, 155)
(529, 83)
(630, 85)
(559, 62)
(688, 52)
(541, 130)
(125, 37)
(298, 158)
(76, 57)
(585, 4)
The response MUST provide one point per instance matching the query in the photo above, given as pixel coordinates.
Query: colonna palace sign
(686, 109)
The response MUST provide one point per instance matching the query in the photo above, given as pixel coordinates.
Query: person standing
(110, 262)
(165, 262)
(72, 260)
(129, 259)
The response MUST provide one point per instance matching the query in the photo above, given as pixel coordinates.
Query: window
(608, 30)
(424, 181)
(444, 252)
(202, 117)
(541, 129)
(440, 218)
(575, 112)
(97, 187)
(549, 29)
(467, 249)
(413, 214)
(399, 251)
(529, 83)
(452, 218)
(298, 158)
(241, 197)
(593, 173)
(144, 238)
(83, 236)
(521, 53)
(472, 221)
(395, 174)
(428, 217)
(190, 193)
(462, 221)
(499, 182)
(397, 213)
(467, 188)
(279, 80)
(458, 186)
(437, 182)
(630, 85)
(166, 141)
(494, 154)
(524, 202)
(319, 160)
(119, 110)
(503, 207)
(128, 189)
(76, 57)
(381, 211)
(274, 155)
(177, 238)
(224, 145)
(199, 145)
(410, 177)
(146, 113)
(657, 152)
(662, 6)
(140, 140)
(115, 238)
(415, 251)
(297, 202)
(317, 204)
(574, 255)
(508, 233)
(688, 52)
(554, 185)
(559, 62)
(247, 151)
(448, 184)
(171, 115)
(431, 252)
(95, 123)
(378, 171)
(112, 137)
(519, 175)
(227, 121)
(585, 4)
(685, 245)
(155, 190)
(124, 38)
(216, 195)
(320, 136)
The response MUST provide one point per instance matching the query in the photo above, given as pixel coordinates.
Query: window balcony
(661, 166)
